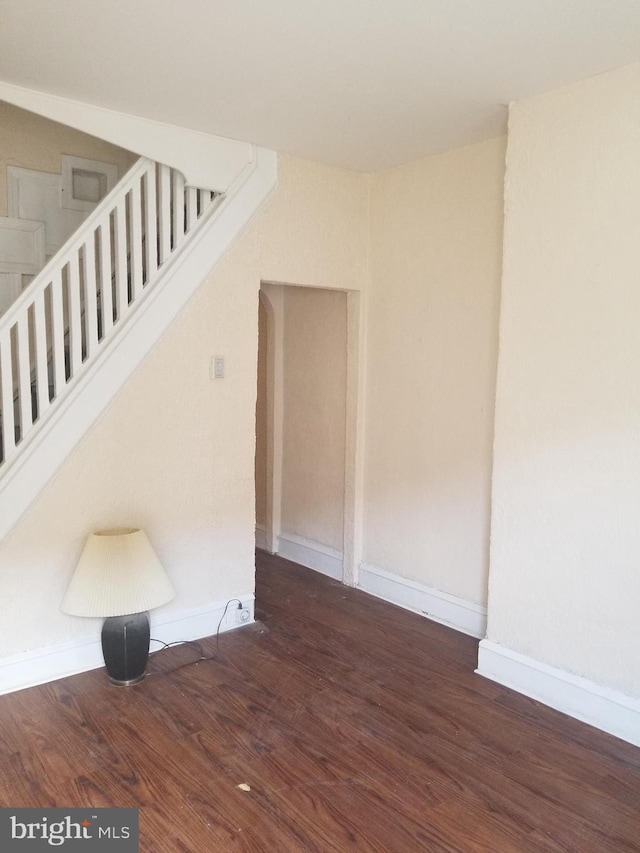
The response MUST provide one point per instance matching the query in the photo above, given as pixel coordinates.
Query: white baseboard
(28, 669)
(439, 606)
(607, 709)
(261, 537)
(313, 555)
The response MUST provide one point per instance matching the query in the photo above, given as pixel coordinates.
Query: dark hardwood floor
(356, 725)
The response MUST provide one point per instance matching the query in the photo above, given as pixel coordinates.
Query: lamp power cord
(202, 657)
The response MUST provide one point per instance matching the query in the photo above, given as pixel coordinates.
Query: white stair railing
(67, 314)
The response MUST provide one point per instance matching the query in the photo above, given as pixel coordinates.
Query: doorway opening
(308, 414)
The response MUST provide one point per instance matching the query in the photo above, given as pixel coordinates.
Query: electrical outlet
(236, 615)
(242, 615)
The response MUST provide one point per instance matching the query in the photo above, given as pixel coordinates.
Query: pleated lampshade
(118, 573)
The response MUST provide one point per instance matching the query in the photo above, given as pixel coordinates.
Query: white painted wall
(175, 452)
(565, 552)
(436, 243)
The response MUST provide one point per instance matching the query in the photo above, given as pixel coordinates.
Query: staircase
(77, 332)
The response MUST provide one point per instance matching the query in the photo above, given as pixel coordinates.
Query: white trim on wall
(261, 537)
(44, 450)
(606, 709)
(354, 439)
(206, 161)
(465, 616)
(272, 296)
(313, 555)
(28, 669)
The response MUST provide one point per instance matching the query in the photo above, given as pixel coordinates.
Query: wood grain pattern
(357, 726)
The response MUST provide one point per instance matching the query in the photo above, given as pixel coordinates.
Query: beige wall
(564, 581)
(175, 451)
(316, 231)
(33, 142)
(314, 392)
(436, 244)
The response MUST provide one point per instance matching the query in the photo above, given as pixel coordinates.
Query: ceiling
(364, 84)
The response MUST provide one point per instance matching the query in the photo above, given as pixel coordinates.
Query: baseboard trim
(261, 537)
(439, 606)
(311, 554)
(606, 709)
(29, 669)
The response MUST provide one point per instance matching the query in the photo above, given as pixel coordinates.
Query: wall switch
(216, 367)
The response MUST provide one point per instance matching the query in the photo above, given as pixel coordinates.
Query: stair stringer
(50, 444)
(206, 161)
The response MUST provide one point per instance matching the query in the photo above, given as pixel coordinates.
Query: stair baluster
(61, 320)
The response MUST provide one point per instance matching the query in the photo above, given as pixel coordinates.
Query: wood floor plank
(356, 726)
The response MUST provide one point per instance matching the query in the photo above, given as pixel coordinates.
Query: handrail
(73, 244)
(62, 319)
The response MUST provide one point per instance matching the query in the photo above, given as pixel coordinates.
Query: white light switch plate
(216, 367)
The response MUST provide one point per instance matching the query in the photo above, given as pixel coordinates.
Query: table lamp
(119, 577)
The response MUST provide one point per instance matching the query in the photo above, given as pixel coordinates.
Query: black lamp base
(125, 646)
